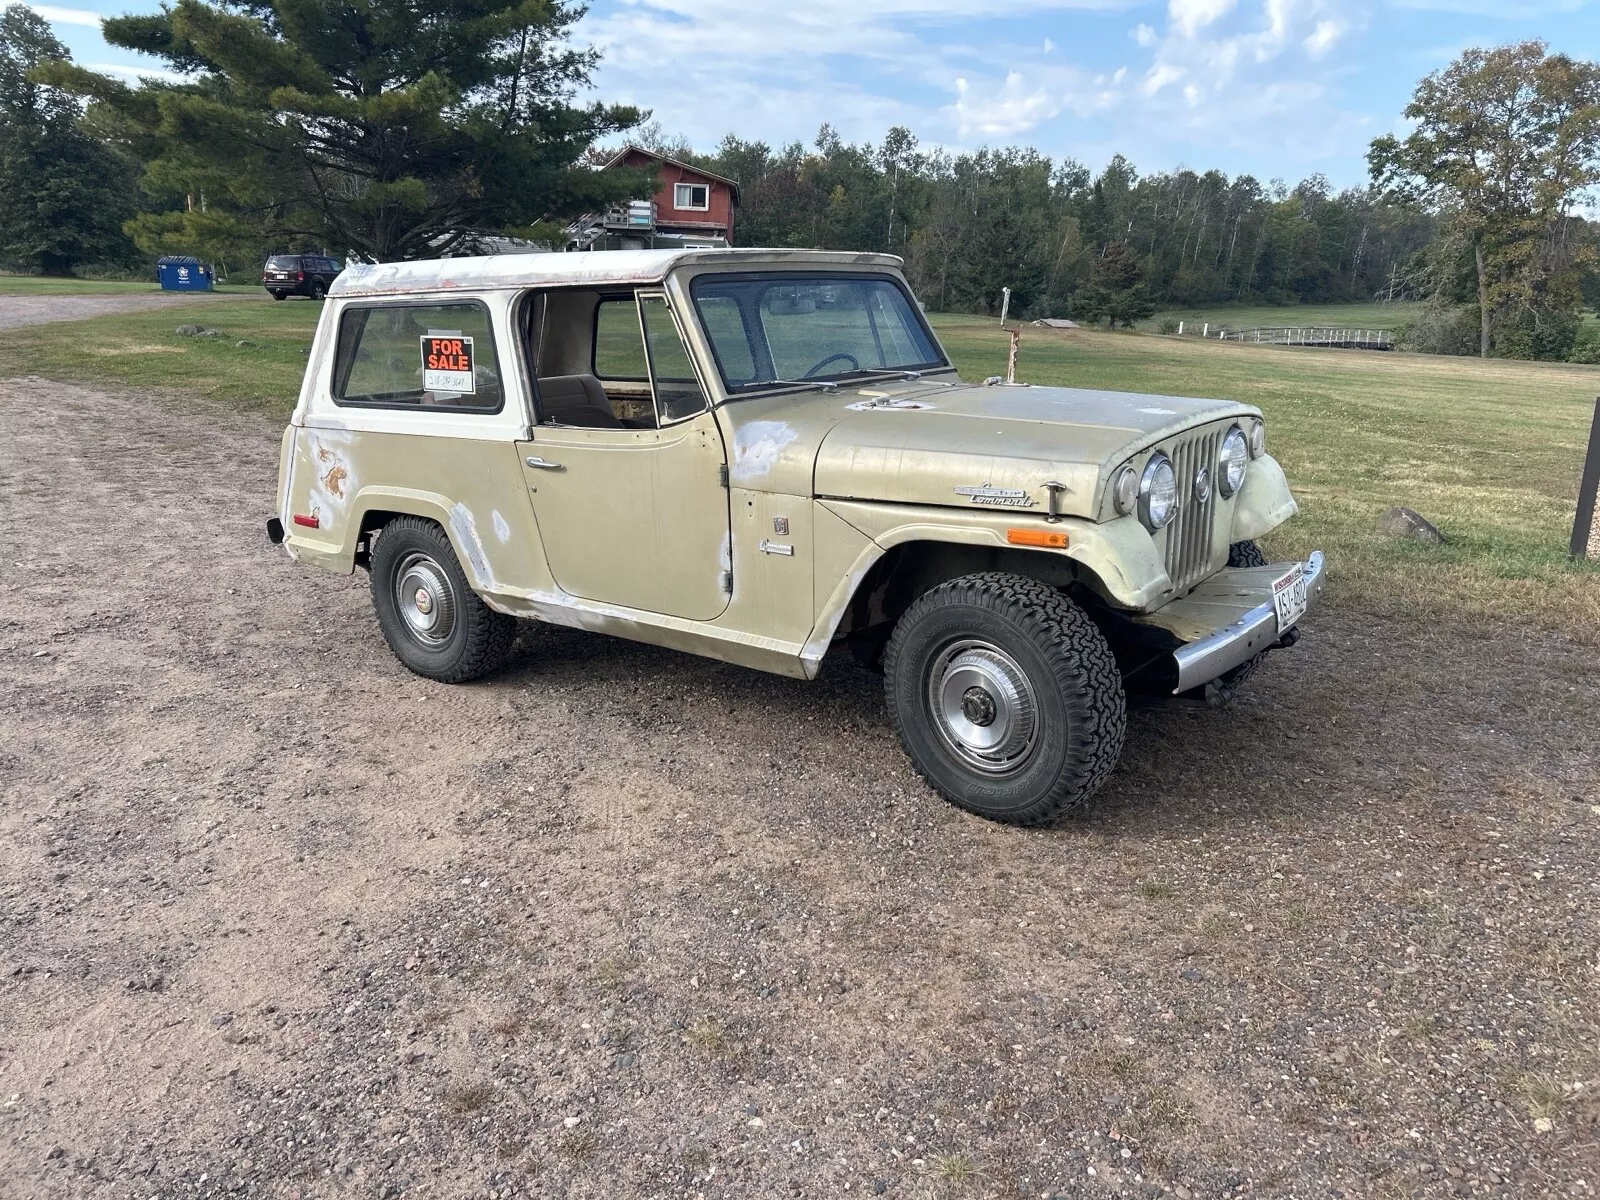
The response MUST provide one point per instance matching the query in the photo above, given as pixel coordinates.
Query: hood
(997, 446)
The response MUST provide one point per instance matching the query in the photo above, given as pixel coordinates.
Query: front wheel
(432, 619)
(317, 290)
(1006, 697)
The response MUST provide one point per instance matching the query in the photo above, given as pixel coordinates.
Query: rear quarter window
(427, 356)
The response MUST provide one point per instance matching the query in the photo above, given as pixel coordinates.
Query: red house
(689, 200)
(691, 207)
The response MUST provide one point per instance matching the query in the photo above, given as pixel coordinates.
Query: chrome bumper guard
(1210, 657)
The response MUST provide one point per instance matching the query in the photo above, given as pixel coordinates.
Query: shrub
(1441, 329)
(1168, 325)
(1544, 336)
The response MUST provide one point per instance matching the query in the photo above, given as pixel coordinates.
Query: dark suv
(299, 275)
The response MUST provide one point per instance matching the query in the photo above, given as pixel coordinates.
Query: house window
(696, 196)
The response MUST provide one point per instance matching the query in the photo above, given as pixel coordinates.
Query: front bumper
(1229, 619)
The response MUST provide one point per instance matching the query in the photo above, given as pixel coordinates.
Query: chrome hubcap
(983, 706)
(425, 599)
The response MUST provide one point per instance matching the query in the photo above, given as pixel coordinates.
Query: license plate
(1289, 597)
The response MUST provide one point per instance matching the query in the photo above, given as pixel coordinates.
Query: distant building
(691, 207)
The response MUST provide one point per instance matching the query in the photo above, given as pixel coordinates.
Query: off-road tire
(1079, 706)
(479, 638)
(1244, 554)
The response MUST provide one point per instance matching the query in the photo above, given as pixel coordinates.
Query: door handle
(544, 464)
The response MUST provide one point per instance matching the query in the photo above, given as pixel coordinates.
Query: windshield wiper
(827, 385)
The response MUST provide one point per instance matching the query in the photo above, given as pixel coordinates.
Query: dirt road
(17, 311)
(279, 919)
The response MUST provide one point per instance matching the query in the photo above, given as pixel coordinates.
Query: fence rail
(1310, 335)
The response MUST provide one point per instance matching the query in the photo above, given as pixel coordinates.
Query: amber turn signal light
(1047, 539)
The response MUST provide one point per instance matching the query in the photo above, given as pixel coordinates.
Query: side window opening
(435, 356)
(677, 389)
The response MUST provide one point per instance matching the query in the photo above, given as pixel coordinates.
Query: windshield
(770, 328)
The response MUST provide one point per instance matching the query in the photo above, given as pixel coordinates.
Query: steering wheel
(855, 364)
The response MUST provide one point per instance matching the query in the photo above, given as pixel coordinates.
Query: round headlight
(1125, 490)
(1234, 459)
(1258, 439)
(1158, 492)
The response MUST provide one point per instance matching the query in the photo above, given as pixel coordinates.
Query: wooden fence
(1313, 335)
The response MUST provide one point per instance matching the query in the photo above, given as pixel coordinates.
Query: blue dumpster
(180, 273)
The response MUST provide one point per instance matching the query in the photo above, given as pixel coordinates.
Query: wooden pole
(1586, 526)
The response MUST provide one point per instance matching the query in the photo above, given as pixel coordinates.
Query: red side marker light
(311, 522)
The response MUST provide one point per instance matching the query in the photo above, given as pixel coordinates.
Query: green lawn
(39, 285)
(144, 349)
(1490, 451)
(1335, 316)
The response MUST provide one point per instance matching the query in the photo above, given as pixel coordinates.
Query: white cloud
(1323, 38)
(1191, 16)
(1145, 36)
(1160, 75)
(68, 16)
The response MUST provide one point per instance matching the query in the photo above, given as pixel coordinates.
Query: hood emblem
(995, 497)
(1202, 485)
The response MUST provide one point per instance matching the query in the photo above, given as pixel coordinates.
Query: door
(636, 516)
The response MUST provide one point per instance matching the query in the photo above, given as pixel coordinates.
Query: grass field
(1490, 451)
(1335, 316)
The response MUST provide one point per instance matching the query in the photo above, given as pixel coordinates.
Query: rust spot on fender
(334, 480)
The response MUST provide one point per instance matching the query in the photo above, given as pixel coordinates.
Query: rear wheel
(1006, 697)
(276, 294)
(432, 619)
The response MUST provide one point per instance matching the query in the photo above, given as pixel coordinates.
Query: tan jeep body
(772, 520)
(638, 537)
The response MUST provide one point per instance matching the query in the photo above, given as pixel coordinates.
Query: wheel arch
(890, 579)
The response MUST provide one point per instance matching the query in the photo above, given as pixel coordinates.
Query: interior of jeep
(592, 364)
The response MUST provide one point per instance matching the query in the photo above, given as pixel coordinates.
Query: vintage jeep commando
(762, 455)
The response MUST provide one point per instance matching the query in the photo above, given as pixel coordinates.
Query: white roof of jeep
(579, 269)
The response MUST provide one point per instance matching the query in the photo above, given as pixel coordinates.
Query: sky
(1280, 89)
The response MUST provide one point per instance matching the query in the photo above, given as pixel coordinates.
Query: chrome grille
(1189, 537)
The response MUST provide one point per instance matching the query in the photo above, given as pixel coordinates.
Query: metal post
(1005, 305)
(1011, 356)
(1586, 526)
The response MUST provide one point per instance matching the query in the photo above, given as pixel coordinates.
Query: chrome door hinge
(722, 475)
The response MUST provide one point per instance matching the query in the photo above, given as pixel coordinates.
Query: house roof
(597, 268)
(630, 148)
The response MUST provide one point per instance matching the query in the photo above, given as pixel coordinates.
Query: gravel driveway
(278, 919)
(16, 311)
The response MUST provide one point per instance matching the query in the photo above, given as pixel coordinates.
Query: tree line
(388, 130)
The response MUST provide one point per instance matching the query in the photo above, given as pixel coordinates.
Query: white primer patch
(757, 447)
(466, 531)
(1159, 412)
(502, 529)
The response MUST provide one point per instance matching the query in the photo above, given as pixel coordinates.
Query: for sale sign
(447, 363)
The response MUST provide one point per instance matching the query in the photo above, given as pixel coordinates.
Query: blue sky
(1276, 88)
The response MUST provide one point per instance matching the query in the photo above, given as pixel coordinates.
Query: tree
(385, 129)
(1506, 141)
(1116, 290)
(63, 196)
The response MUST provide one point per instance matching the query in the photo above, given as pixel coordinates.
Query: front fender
(1264, 502)
(1119, 555)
